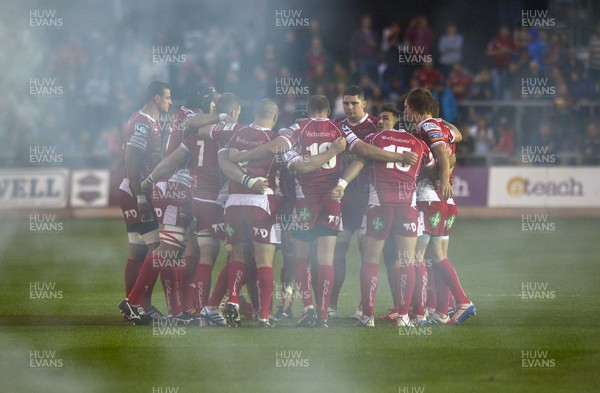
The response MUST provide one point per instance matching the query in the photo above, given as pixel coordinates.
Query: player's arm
(204, 132)
(201, 120)
(133, 168)
(234, 172)
(165, 167)
(443, 162)
(455, 132)
(349, 174)
(278, 145)
(374, 153)
(300, 165)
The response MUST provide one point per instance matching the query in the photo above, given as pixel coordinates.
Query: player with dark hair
(142, 145)
(356, 196)
(392, 209)
(174, 200)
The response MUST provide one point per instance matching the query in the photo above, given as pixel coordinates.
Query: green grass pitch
(79, 343)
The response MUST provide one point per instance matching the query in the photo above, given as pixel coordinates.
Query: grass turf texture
(101, 353)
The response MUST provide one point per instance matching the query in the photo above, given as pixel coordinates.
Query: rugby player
(317, 217)
(356, 196)
(432, 203)
(391, 210)
(142, 150)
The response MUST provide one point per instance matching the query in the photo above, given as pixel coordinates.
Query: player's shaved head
(266, 109)
(318, 105)
(420, 100)
(155, 88)
(227, 103)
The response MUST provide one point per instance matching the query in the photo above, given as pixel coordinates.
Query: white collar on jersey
(424, 120)
(359, 122)
(147, 115)
(259, 127)
(319, 118)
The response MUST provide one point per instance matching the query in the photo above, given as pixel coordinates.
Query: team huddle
(304, 190)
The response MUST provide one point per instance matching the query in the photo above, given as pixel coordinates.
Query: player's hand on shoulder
(409, 157)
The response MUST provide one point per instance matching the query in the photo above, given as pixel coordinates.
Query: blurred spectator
(316, 57)
(97, 96)
(391, 37)
(570, 63)
(483, 86)
(483, 137)
(290, 51)
(580, 86)
(390, 50)
(590, 147)
(517, 71)
(450, 46)
(594, 49)
(545, 137)
(506, 137)
(557, 51)
(392, 89)
(340, 74)
(459, 81)
(420, 35)
(536, 49)
(499, 50)
(465, 149)
(427, 76)
(363, 49)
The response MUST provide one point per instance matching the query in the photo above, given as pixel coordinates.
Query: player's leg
(339, 265)
(143, 238)
(209, 249)
(325, 276)
(304, 278)
(263, 255)
(135, 259)
(420, 294)
(377, 223)
(287, 278)
(405, 277)
(189, 259)
(353, 206)
(369, 278)
(446, 272)
(389, 258)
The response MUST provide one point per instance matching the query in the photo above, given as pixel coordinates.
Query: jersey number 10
(316, 148)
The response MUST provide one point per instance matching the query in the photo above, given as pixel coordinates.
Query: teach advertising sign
(470, 186)
(544, 187)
